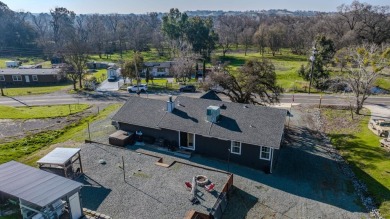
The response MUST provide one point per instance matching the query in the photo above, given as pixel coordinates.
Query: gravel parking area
(150, 191)
(306, 182)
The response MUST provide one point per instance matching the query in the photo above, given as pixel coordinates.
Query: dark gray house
(30, 76)
(247, 134)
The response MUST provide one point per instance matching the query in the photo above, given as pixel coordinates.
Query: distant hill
(272, 12)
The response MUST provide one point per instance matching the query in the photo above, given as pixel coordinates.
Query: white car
(136, 88)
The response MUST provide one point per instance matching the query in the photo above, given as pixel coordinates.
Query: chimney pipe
(170, 104)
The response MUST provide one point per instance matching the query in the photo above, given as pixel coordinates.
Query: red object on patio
(188, 185)
(210, 187)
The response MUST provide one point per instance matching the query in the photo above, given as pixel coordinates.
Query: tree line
(46, 33)
(354, 31)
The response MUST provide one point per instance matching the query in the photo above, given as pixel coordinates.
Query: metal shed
(65, 162)
(40, 194)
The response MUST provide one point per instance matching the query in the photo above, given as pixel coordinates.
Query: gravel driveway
(306, 182)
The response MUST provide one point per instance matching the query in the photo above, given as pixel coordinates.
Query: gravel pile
(150, 191)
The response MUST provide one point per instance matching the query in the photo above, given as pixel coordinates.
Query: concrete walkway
(379, 111)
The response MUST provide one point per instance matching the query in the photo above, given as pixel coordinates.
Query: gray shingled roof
(33, 185)
(32, 71)
(257, 125)
(210, 95)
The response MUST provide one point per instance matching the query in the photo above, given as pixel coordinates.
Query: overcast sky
(143, 6)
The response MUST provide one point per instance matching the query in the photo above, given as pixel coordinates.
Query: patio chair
(188, 185)
(210, 187)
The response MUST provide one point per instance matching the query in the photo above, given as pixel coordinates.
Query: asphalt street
(108, 96)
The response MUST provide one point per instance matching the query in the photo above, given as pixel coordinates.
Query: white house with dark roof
(31, 76)
(157, 69)
(246, 134)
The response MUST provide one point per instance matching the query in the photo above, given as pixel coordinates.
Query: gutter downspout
(272, 160)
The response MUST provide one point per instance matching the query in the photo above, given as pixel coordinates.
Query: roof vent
(213, 113)
(246, 107)
(222, 106)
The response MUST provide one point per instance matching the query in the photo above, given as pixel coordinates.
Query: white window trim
(188, 148)
(269, 153)
(16, 76)
(231, 148)
(2, 78)
(34, 77)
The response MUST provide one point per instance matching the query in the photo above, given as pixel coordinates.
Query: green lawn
(23, 149)
(31, 90)
(361, 148)
(286, 67)
(149, 56)
(39, 112)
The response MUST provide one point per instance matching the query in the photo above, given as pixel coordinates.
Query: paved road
(286, 99)
(110, 86)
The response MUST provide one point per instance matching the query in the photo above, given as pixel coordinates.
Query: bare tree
(183, 66)
(76, 55)
(225, 30)
(366, 63)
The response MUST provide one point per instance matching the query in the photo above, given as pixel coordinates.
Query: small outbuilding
(38, 193)
(65, 162)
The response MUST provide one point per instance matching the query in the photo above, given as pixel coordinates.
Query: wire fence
(99, 130)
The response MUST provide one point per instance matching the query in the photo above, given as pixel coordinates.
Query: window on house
(160, 69)
(265, 153)
(16, 77)
(2, 78)
(235, 147)
(35, 77)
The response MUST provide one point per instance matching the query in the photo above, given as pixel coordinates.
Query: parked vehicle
(112, 78)
(136, 88)
(381, 126)
(187, 88)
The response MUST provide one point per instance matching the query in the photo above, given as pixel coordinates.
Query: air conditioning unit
(213, 113)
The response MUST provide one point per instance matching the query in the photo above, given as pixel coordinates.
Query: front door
(27, 78)
(187, 140)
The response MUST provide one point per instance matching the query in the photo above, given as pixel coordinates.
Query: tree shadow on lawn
(304, 168)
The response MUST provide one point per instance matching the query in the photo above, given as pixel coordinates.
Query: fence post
(89, 132)
(70, 110)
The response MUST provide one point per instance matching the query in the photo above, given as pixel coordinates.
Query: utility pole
(1, 88)
(312, 59)
(136, 72)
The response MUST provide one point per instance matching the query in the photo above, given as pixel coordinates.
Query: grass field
(149, 56)
(360, 147)
(23, 149)
(286, 67)
(33, 90)
(39, 112)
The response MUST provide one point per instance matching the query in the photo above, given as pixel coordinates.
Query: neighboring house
(157, 69)
(30, 76)
(99, 65)
(12, 64)
(113, 71)
(246, 134)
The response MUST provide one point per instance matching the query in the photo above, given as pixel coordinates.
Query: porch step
(183, 154)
